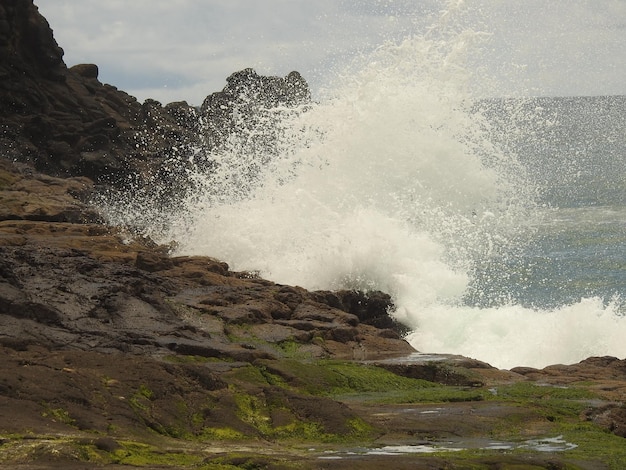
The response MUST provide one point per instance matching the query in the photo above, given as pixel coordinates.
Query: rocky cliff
(116, 354)
(65, 122)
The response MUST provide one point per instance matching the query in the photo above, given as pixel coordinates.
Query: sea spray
(390, 185)
(393, 182)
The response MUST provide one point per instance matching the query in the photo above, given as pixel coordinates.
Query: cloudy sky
(174, 50)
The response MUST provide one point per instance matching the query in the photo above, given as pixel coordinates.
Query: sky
(174, 50)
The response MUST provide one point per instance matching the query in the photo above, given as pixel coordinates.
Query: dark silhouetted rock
(65, 122)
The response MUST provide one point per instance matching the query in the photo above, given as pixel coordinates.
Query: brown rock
(612, 417)
(86, 70)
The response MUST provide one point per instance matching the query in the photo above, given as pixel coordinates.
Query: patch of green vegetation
(259, 410)
(594, 443)
(140, 401)
(221, 434)
(360, 428)
(557, 402)
(143, 455)
(190, 359)
(176, 426)
(251, 375)
(112, 428)
(532, 391)
(253, 411)
(145, 392)
(197, 419)
(291, 349)
(436, 394)
(288, 349)
(302, 431)
(349, 377)
(335, 378)
(274, 379)
(59, 415)
(241, 334)
(350, 381)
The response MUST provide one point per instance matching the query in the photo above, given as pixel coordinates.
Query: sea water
(498, 226)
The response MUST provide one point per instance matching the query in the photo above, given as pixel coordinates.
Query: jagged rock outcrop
(248, 97)
(65, 122)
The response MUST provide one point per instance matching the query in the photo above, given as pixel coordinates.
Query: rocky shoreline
(117, 354)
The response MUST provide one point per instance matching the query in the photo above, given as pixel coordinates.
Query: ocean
(497, 225)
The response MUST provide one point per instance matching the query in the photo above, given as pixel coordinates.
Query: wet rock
(439, 372)
(153, 262)
(38, 197)
(68, 281)
(371, 308)
(249, 98)
(612, 417)
(593, 368)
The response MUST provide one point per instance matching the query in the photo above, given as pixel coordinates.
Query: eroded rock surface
(88, 286)
(116, 353)
(65, 122)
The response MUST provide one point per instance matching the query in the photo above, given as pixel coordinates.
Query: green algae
(354, 382)
(556, 403)
(335, 378)
(594, 444)
(256, 394)
(290, 349)
(142, 455)
(221, 434)
(533, 391)
(140, 401)
(59, 415)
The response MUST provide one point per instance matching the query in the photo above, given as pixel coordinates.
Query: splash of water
(391, 183)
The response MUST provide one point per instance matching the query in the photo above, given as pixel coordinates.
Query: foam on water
(392, 183)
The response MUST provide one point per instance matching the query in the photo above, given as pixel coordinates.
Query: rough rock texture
(86, 286)
(608, 375)
(248, 95)
(65, 122)
(116, 354)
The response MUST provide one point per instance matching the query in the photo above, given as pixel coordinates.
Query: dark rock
(152, 262)
(343, 334)
(248, 97)
(611, 417)
(86, 70)
(439, 372)
(106, 444)
(87, 287)
(320, 312)
(66, 123)
(371, 308)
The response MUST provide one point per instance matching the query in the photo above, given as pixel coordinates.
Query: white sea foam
(391, 183)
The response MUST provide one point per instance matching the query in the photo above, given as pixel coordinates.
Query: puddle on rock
(415, 358)
(552, 444)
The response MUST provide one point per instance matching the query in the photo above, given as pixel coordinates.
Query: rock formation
(115, 353)
(65, 122)
(106, 292)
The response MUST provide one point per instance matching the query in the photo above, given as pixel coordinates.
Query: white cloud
(185, 49)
